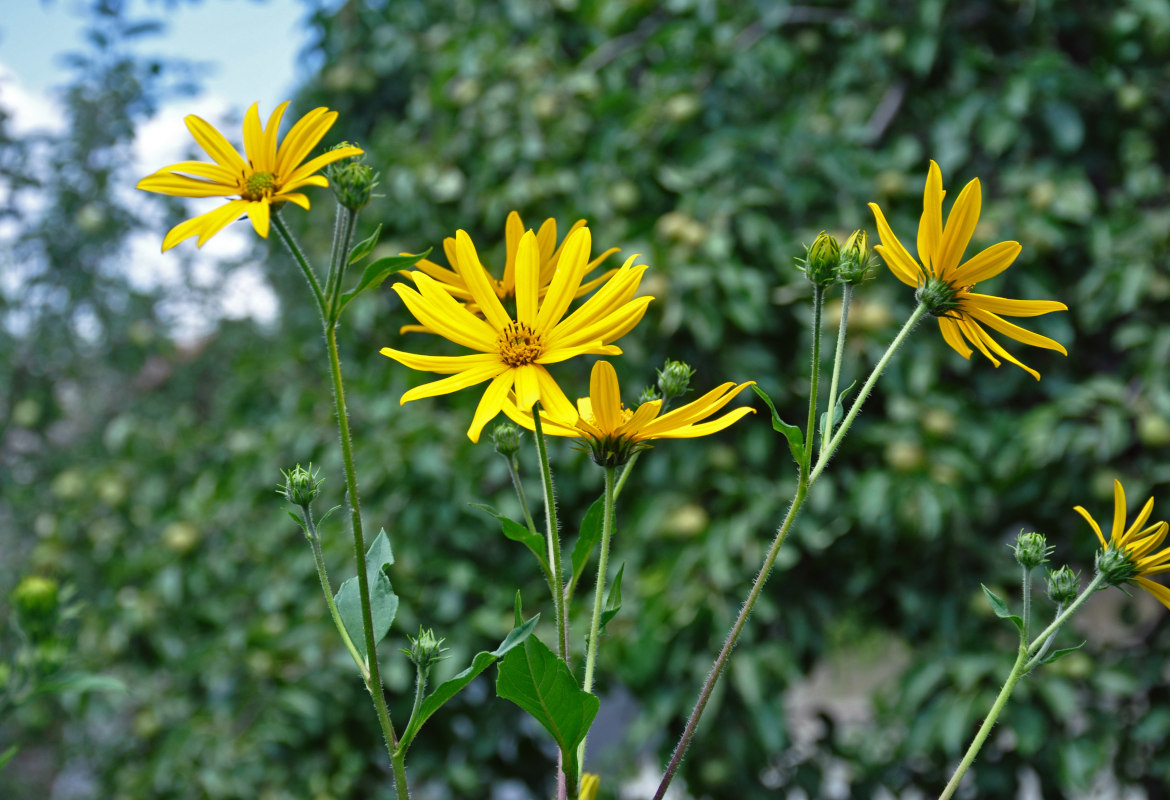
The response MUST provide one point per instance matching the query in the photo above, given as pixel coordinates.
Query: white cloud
(29, 111)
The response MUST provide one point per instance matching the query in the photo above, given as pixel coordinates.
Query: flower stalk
(607, 526)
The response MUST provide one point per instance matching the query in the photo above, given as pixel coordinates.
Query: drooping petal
(258, 212)
(1014, 331)
(897, 258)
(952, 336)
(1092, 524)
(707, 428)
(296, 198)
(490, 405)
(1015, 308)
(998, 350)
(1157, 590)
(974, 334)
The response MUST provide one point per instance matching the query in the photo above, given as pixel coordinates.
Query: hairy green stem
(805, 483)
(327, 589)
(553, 536)
(519, 487)
(344, 229)
(1026, 594)
(607, 525)
(814, 375)
(1026, 659)
(846, 299)
(298, 256)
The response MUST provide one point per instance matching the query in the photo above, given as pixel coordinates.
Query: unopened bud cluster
(301, 486)
(855, 259)
(649, 395)
(425, 649)
(1031, 549)
(1063, 585)
(825, 261)
(352, 180)
(674, 379)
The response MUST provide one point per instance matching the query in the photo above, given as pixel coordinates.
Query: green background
(713, 138)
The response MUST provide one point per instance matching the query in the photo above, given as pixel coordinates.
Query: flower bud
(674, 379)
(301, 486)
(425, 649)
(1116, 566)
(1031, 549)
(1063, 585)
(352, 180)
(649, 395)
(589, 786)
(506, 439)
(35, 600)
(939, 296)
(821, 261)
(855, 258)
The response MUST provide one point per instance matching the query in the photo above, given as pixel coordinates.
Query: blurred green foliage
(714, 138)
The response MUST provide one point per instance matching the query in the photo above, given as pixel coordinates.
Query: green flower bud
(506, 439)
(1116, 566)
(1031, 549)
(425, 649)
(1063, 585)
(35, 600)
(821, 261)
(352, 180)
(855, 258)
(301, 486)
(674, 379)
(649, 395)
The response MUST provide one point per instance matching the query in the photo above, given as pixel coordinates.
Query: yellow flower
(944, 284)
(505, 288)
(264, 176)
(589, 786)
(1135, 545)
(513, 352)
(613, 433)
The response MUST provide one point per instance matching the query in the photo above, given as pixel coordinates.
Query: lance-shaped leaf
(452, 686)
(376, 272)
(518, 533)
(541, 683)
(383, 601)
(613, 599)
(1002, 611)
(838, 410)
(587, 538)
(364, 247)
(790, 432)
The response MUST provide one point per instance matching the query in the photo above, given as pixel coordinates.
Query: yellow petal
(986, 264)
(1015, 308)
(302, 138)
(453, 383)
(707, 428)
(643, 415)
(513, 232)
(952, 336)
(566, 279)
(258, 212)
(960, 225)
(998, 349)
(527, 281)
(1157, 590)
(213, 172)
(893, 253)
(445, 316)
(1118, 512)
(215, 145)
(476, 278)
(1014, 331)
(182, 186)
(974, 334)
(553, 399)
(296, 198)
(1139, 522)
(270, 148)
(254, 140)
(490, 405)
(605, 396)
(930, 226)
(1092, 524)
(527, 386)
(443, 365)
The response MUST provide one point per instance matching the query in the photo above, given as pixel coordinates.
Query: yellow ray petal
(302, 138)
(930, 226)
(254, 139)
(986, 264)
(471, 270)
(490, 405)
(550, 426)
(527, 386)
(897, 258)
(452, 322)
(1015, 308)
(258, 212)
(973, 334)
(443, 365)
(643, 415)
(214, 172)
(553, 399)
(182, 186)
(1118, 512)
(566, 279)
(702, 407)
(215, 145)
(605, 396)
(960, 225)
(1157, 590)
(453, 383)
(1092, 524)
(271, 134)
(296, 198)
(952, 336)
(527, 281)
(1014, 331)
(302, 173)
(707, 428)
(998, 350)
(1138, 523)
(308, 180)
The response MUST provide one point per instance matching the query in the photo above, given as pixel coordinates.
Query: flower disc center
(519, 344)
(258, 186)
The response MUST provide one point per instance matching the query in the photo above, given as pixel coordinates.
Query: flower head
(1129, 554)
(513, 350)
(548, 254)
(944, 281)
(266, 175)
(613, 433)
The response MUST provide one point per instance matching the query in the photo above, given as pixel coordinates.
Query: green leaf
(838, 412)
(1001, 610)
(7, 755)
(539, 682)
(82, 682)
(587, 538)
(452, 686)
(378, 271)
(383, 601)
(1056, 655)
(791, 432)
(364, 247)
(613, 598)
(518, 533)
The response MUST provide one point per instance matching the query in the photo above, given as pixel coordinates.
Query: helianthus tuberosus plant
(535, 325)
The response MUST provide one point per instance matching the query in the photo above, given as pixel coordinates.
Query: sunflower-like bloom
(266, 175)
(944, 281)
(1130, 555)
(512, 353)
(613, 433)
(548, 253)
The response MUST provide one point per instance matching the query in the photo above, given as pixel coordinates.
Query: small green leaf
(587, 539)
(364, 247)
(613, 599)
(791, 432)
(838, 412)
(452, 686)
(518, 533)
(383, 601)
(1056, 655)
(542, 684)
(378, 271)
(82, 682)
(519, 613)
(1001, 610)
